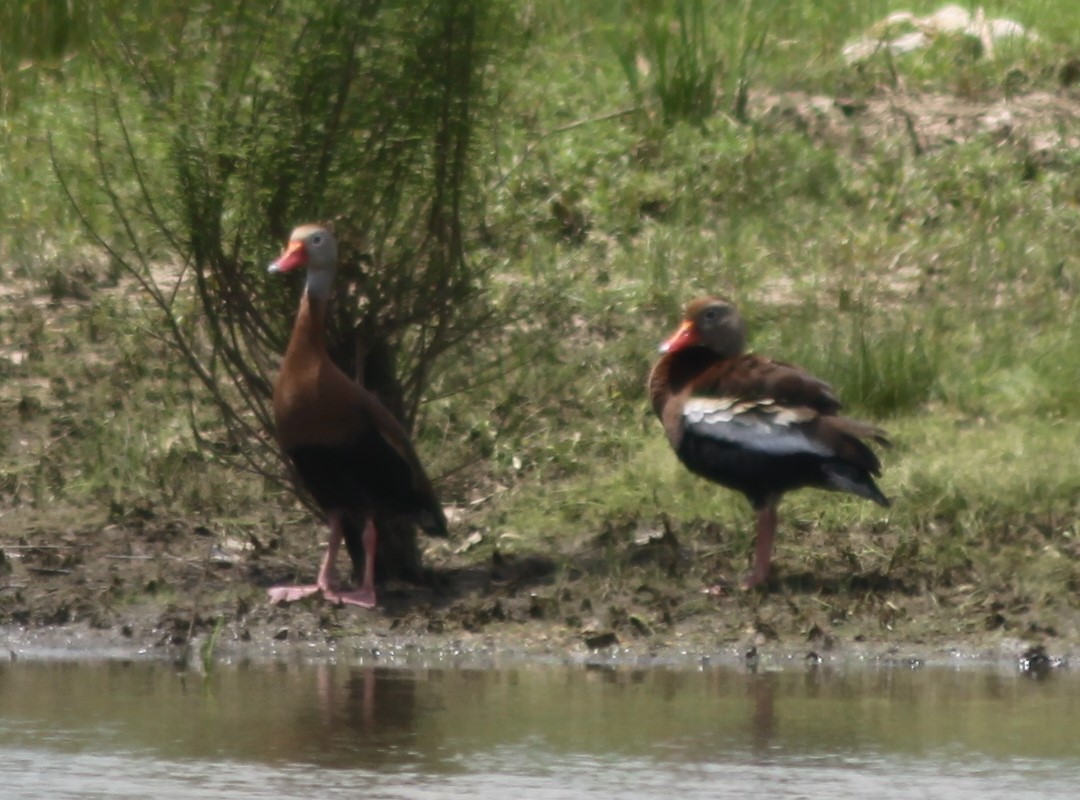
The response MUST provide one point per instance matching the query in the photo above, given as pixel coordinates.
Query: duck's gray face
(312, 247)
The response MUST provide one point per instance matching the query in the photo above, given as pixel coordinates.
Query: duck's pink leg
(289, 594)
(327, 576)
(365, 595)
(326, 581)
(766, 532)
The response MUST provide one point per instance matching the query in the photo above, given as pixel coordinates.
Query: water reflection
(362, 717)
(762, 690)
(441, 727)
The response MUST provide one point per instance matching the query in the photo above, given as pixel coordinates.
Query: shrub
(219, 127)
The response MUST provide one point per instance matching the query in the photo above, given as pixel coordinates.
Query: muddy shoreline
(512, 649)
(172, 589)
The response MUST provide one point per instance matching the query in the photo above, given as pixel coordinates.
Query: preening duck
(758, 426)
(349, 451)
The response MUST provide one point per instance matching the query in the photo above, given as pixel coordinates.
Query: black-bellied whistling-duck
(349, 451)
(755, 425)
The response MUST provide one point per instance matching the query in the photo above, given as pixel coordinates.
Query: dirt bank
(170, 588)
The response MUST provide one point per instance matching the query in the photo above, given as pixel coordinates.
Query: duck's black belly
(361, 476)
(758, 475)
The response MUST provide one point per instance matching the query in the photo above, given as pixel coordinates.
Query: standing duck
(349, 451)
(758, 426)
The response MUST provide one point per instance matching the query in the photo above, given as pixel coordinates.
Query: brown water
(140, 729)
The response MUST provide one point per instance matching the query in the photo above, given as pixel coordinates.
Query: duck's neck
(309, 330)
(319, 283)
(675, 370)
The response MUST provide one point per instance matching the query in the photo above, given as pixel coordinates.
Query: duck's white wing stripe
(755, 425)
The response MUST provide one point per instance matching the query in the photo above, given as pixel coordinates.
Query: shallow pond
(145, 729)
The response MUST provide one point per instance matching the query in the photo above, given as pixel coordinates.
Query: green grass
(938, 292)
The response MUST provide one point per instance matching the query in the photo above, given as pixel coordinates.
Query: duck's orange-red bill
(294, 256)
(686, 335)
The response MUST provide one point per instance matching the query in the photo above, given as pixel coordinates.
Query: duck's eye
(316, 240)
(710, 315)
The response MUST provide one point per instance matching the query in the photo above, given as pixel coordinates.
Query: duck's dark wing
(765, 428)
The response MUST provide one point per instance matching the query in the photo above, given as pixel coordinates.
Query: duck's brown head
(711, 322)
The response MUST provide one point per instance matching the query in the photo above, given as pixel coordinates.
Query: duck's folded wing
(754, 377)
(398, 448)
(763, 426)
